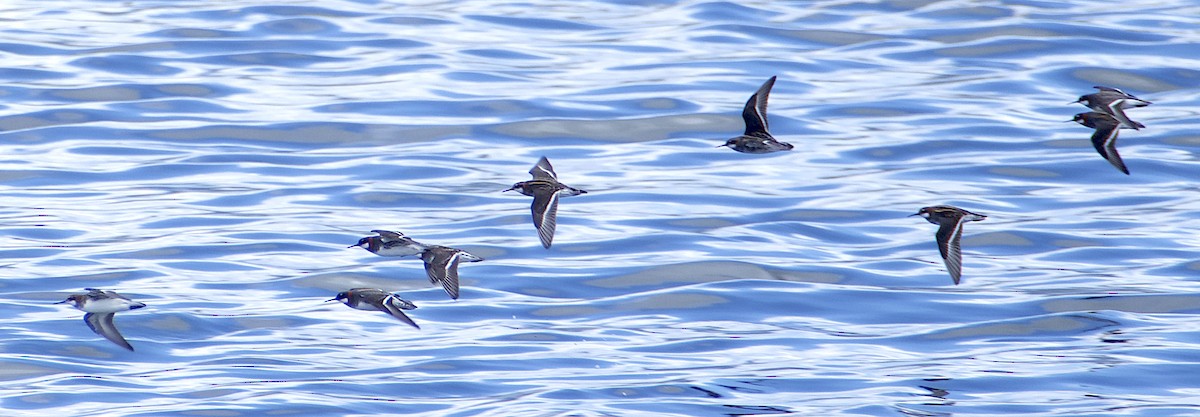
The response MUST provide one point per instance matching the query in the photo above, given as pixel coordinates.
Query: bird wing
(1110, 89)
(1137, 102)
(949, 236)
(442, 267)
(102, 324)
(404, 242)
(394, 307)
(99, 294)
(755, 112)
(545, 216)
(543, 169)
(1116, 109)
(389, 235)
(1105, 142)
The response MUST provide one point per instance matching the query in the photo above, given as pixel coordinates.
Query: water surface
(214, 160)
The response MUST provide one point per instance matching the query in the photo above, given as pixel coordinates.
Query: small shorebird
(390, 243)
(545, 190)
(441, 262)
(377, 299)
(1104, 139)
(757, 139)
(101, 306)
(1113, 102)
(441, 265)
(949, 220)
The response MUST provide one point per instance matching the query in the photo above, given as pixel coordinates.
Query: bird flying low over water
(950, 221)
(101, 306)
(441, 262)
(390, 243)
(441, 265)
(377, 299)
(545, 190)
(757, 139)
(1104, 139)
(1113, 102)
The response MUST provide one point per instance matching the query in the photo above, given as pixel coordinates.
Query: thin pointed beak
(331, 299)
(721, 146)
(63, 301)
(510, 189)
(914, 214)
(351, 246)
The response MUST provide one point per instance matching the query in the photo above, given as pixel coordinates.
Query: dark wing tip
(543, 169)
(1120, 164)
(450, 283)
(1105, 142)
(399, 315)
(546, 235)
(451, 289)
(102, 324)
(954, 267)
(545, 217)
(754, 114)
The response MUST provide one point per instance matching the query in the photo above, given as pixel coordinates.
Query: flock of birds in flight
(1107, 117)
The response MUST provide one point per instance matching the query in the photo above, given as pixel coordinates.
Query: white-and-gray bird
(441, 262)
(390, 243)
(377, 299)
(101, 306)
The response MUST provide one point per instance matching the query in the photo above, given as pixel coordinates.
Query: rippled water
(214, 160)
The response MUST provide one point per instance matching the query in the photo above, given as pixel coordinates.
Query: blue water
(213, 160)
